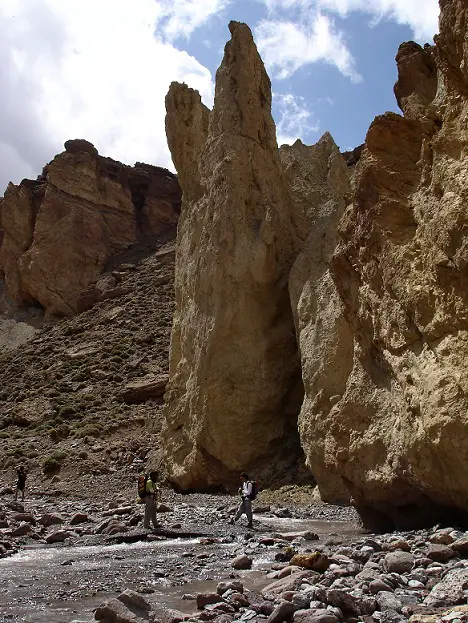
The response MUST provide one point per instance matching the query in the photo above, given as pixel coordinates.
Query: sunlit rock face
(235, 389)
(397, 429)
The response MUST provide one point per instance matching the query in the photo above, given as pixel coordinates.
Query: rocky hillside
(58, 232)
(87, 391)
(288, 264)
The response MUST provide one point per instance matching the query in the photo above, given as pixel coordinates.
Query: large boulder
(60, 230)
(235, 388)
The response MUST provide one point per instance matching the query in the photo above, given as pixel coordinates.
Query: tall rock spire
(235, 389)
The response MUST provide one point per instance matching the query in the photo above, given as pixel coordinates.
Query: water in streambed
(60, 584)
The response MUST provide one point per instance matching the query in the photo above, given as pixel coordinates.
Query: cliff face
(61, 229)
(235, 388)
(396, 431)
(375, 258)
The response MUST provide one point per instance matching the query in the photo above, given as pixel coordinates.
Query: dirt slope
(61, 395)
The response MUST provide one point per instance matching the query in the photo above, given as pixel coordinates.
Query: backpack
(142, 480)
(254, 493)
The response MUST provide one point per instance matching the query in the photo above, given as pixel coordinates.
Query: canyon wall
(374, 256)
(396, 431)
(58, 232)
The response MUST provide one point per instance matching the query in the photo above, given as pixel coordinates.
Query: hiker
(151, 499)
(246, 491)
(21, 482)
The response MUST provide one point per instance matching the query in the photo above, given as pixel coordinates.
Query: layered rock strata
(235, 388)
(396, 429)
(59, 231)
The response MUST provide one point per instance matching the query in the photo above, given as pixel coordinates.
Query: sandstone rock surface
(234, 369)
(390, 417)
(61, 229)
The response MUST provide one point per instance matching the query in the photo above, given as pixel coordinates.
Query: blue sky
(99, 69)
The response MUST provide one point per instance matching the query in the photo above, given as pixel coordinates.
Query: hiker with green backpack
(248, 492)
(148, 492)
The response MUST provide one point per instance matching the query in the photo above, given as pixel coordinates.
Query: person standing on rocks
(21, 482)
(246, 493)
(151, 498)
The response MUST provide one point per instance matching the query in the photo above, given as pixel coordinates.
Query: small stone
(242, 562)
(399, 562)
(283, 612)
(440, 553)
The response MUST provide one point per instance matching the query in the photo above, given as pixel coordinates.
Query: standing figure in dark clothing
(21, 483)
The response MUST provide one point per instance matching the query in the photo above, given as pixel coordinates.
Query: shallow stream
(60, 584)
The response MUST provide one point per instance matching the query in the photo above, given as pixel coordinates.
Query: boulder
(461, 546)
(449, 591)
(79, 518)
(242, 562)
(50, 519)
(230, 585)
(57, 536)
(316, 615)
(439, 553)
(22, 530)
(141, 390)
(115, 611)
(283, 612)
(399, 562)
(203, 599)
(28, 517)
(316, 561)
(387, 601)
(290, 583)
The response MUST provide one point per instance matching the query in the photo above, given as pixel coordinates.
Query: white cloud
(287, 46)
(182, 17)
(420, 15)
(294, 119)
(90, 69)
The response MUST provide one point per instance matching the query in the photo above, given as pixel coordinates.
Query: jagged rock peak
(242, 102)
(416, 86)
(187, 121)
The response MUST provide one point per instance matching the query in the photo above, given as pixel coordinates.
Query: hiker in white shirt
(246, 504)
